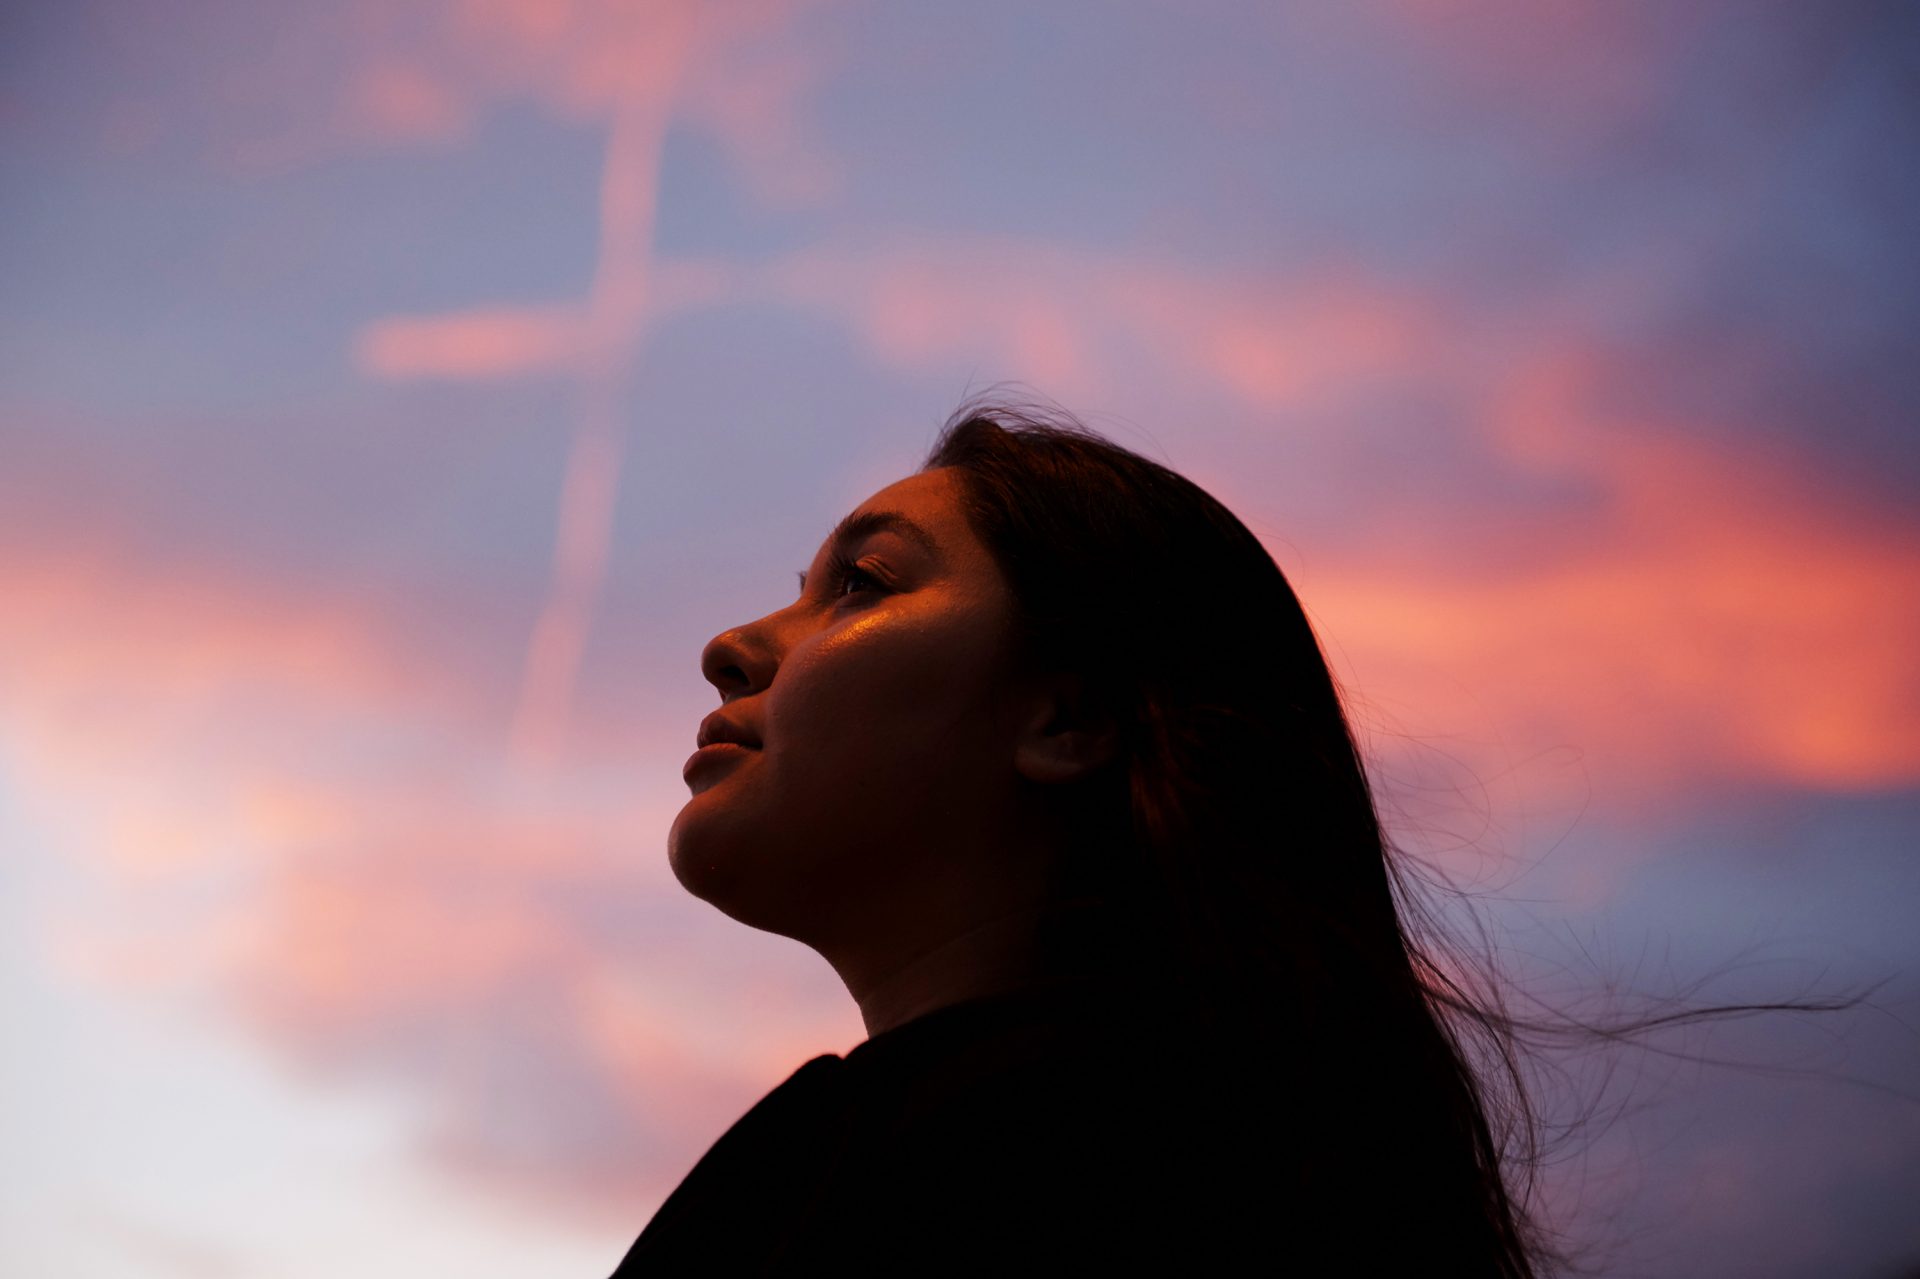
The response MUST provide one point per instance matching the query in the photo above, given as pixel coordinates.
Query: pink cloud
(635, 68)
(122, 664)
(1029, 307)
(405, 101)
(1723, 618)
(733, 68)
(748, 104)
(1713, 616)
(565, 1061)
(279, 806)
(1077, 321)
(1717, 616)
(484, 343)
(1576, 68)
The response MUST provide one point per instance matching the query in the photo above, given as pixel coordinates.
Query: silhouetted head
(908, 756)
(1075, 675)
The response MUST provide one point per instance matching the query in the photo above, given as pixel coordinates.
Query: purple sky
(394, 399)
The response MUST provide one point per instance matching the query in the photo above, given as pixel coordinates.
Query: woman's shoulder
(1043, 1131)
(1085, 1081)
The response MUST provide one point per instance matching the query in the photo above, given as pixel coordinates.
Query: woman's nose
(738, 661)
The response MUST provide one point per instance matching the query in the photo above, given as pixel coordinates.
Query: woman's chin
(689, 850)
(705, 855)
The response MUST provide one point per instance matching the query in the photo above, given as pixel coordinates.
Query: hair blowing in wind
(1240, 826)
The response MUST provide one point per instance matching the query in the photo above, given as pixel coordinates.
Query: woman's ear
(1068, 734)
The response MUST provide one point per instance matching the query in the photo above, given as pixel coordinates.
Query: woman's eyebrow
(860, 523)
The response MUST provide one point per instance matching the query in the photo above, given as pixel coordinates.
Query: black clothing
(1100, 1121)
(1057, 1129)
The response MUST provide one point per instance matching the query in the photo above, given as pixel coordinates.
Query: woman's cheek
(841, 686)
(872, 698)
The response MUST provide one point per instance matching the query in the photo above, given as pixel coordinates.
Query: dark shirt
(1077, 1126)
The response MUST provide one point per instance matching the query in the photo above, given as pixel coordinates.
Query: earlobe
(1069, 736)
(1064, 756)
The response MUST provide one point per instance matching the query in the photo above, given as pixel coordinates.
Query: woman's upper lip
(718, 728)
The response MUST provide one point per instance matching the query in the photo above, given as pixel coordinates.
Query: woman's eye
(852, 573)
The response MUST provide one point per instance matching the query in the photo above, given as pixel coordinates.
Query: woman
(1046, 761)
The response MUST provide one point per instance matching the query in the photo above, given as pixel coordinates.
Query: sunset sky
(396, 397)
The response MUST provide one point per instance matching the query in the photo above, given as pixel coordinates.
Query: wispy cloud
(1705, 616)
(1465, 311)
(476, 345)
(277, 807)
(636, 68)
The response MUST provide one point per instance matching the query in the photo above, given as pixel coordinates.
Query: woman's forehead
(924, 508)
(926, 492)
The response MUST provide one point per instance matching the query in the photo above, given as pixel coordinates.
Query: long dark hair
(1239, 825)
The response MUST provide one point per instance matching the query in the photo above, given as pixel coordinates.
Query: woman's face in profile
(886, 750)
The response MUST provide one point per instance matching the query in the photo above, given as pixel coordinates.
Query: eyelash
(840, 570)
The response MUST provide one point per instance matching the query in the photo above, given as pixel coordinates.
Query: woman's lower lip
(713, 751)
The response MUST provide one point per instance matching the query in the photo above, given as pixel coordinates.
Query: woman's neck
(991, 957)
